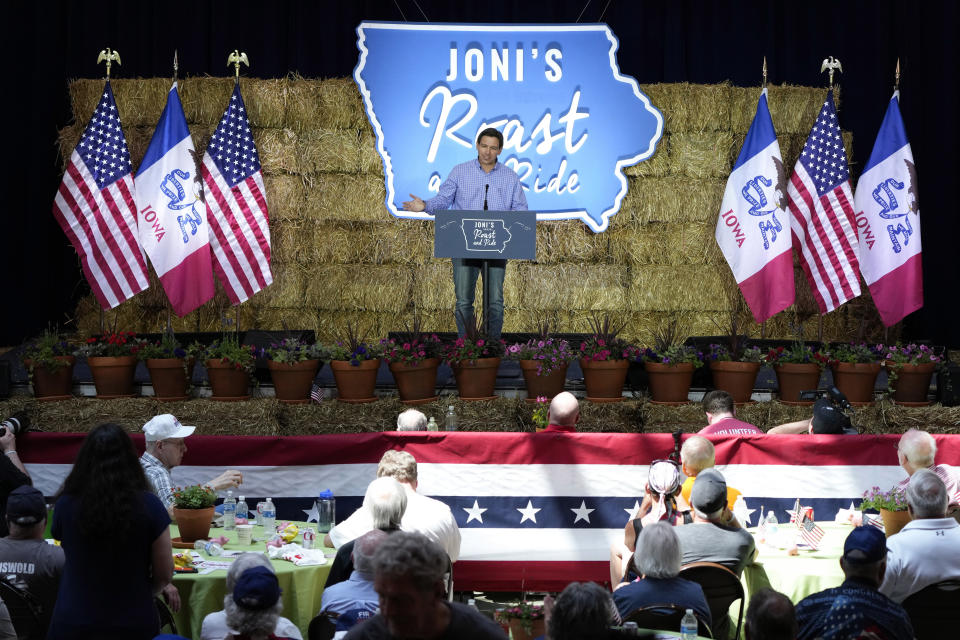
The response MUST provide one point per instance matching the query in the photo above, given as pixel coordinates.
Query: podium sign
(485, 235)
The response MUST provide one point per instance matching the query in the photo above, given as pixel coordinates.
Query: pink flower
(480, 343)
(406, 345)
(601, 343)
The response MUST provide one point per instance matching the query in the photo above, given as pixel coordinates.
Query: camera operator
(829, 417)
(12, 472)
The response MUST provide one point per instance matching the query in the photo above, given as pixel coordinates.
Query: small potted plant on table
(193, 511)
(892, 506)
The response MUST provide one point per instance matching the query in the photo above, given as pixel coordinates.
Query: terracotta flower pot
(736, 378)
(194, 524)
(537, 629)
(416, 383)
(604, 379)
(228, 383)
(113, 375)
(355, 384)
(170, 377)
(856, 380)
(292, 381)
(476, 379)
(669, 383)
(52, 384)
(893, 521)
(546, 386)
(912, 382)
(792, 378)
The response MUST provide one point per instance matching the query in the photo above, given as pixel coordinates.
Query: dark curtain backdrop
(48, 43)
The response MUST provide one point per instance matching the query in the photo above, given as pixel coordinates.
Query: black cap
(827, 418)
(26, 506)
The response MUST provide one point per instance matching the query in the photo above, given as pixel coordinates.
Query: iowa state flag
(172, 215)
(753, 230)
(888, 221)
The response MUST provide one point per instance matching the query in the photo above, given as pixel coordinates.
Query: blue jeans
(465, 274)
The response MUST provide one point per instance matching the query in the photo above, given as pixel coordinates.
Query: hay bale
(328, 150)
(794, 109)
(655, 288)
(573, 286)
(432, 320)
(359, 287)
(570, 241)
(332, 325)
(657, 165)
(277, 149)
(743, 106)
(266, 101)
(285, 198)
(84, 96)
(67, 139)
(400, 242)
(289, 288)
(138, 139)
(341, 106)
(280, 318)
(370, 160)
(674, 199)
(702, 155)
(690, 107)
(140, 101)
(205, 99)
(673, 243)
(530, 320)
(291, 242)
(303, 104)
(345, 197)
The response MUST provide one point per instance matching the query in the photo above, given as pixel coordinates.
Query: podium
(485, 236)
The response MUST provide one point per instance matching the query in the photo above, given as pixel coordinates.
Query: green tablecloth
(203, 594)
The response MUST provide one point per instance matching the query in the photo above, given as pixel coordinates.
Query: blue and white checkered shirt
(465, 186)
(159, 478)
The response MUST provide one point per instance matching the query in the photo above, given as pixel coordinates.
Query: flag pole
(235, 59)
(764, 72)
(176, 65)
(109, 56)
(831, 64)
(763, 325)
(896, 76)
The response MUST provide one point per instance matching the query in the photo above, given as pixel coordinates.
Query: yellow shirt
(688, 487)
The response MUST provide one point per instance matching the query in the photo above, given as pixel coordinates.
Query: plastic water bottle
(229, 512)
(269, 516)
(210, 548)
(688, 626)
(326, 511)
(432, 424)
(772, 525)
(630, 629)
(243, 511)
(450, 420)
(473, 604)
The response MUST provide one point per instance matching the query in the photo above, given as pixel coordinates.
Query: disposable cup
(245, 534)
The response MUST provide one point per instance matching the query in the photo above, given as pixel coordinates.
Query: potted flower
(293, 365)
(475, 359)
(798, 369)
(604, 359)
(733, 364)
(543, 361)
(193, 511)
(541, 413)
(855, 368)
(354, 363)
(112, 358)
(49, 360)
(909, 370)
(170, 365)
(414, 357)
(525, 621)
(229, 367)
(892, 506)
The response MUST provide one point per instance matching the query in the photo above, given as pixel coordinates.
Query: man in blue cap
(856, 607)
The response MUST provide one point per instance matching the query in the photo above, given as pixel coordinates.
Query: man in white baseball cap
(165, 448)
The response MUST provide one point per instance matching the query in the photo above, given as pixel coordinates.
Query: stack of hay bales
(339, 257)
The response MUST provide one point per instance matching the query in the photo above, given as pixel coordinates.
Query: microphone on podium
(485, 189)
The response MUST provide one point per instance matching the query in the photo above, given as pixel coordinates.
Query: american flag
(822, 221)
(810, 532)
(236, 205)
(317, 393)
(95, 207)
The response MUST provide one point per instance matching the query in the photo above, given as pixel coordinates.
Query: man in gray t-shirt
(714, 535)
(26, 560)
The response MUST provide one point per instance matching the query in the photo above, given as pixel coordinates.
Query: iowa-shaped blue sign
(571, 121)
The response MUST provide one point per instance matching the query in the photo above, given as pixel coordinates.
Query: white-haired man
(564, 413)
(917, 450)
(424, 515)
(165, 447)
(411, 420)
(927, 549)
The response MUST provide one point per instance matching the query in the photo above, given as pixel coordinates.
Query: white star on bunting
(632, 510)
(529, 513)
(312, 514)
(474, 513)
(582, 513)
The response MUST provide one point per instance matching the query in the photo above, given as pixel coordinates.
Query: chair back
(934, 609)
(26, 612)
(665, 617)
(167, 623)
(722, 587)
(323, 626)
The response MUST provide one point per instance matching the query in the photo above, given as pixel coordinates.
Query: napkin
(297, 555)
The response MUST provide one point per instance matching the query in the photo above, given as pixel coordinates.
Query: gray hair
(770, 616)
(364, 548)
(411, 420)
(698, 453)
(658, 551)
(386, 502)
(583, 609)
(712, 517)
(412, 556)
(256, 624)
(918, 447)
(927, 495)
(399, 465)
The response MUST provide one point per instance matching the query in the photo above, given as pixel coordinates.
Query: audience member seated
(715, 535)
(718, 405)
(582, 611)
(386, 500)
(253, 607)
(660, 503)
(215, 626)
(856, 608)
(424, 515)
(827, 419)
(927, 549)
(26, 560)
(563, 414)
(697, 454)
(770, 616)
(411, 420)
(657, 558)
(917, 450)
(165, 447)
(408, 573)
(357, 593)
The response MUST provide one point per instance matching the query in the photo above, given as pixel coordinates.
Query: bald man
(696, 455)
(917, 450)
(564, 414)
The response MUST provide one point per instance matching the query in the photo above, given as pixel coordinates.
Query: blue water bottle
(326, 511)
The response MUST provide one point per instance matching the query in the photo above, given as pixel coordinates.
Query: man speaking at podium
(481, 184)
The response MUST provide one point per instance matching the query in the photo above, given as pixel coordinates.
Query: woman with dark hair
(116, 538)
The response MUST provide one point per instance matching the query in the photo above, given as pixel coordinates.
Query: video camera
(17, 423)
(830, 411)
